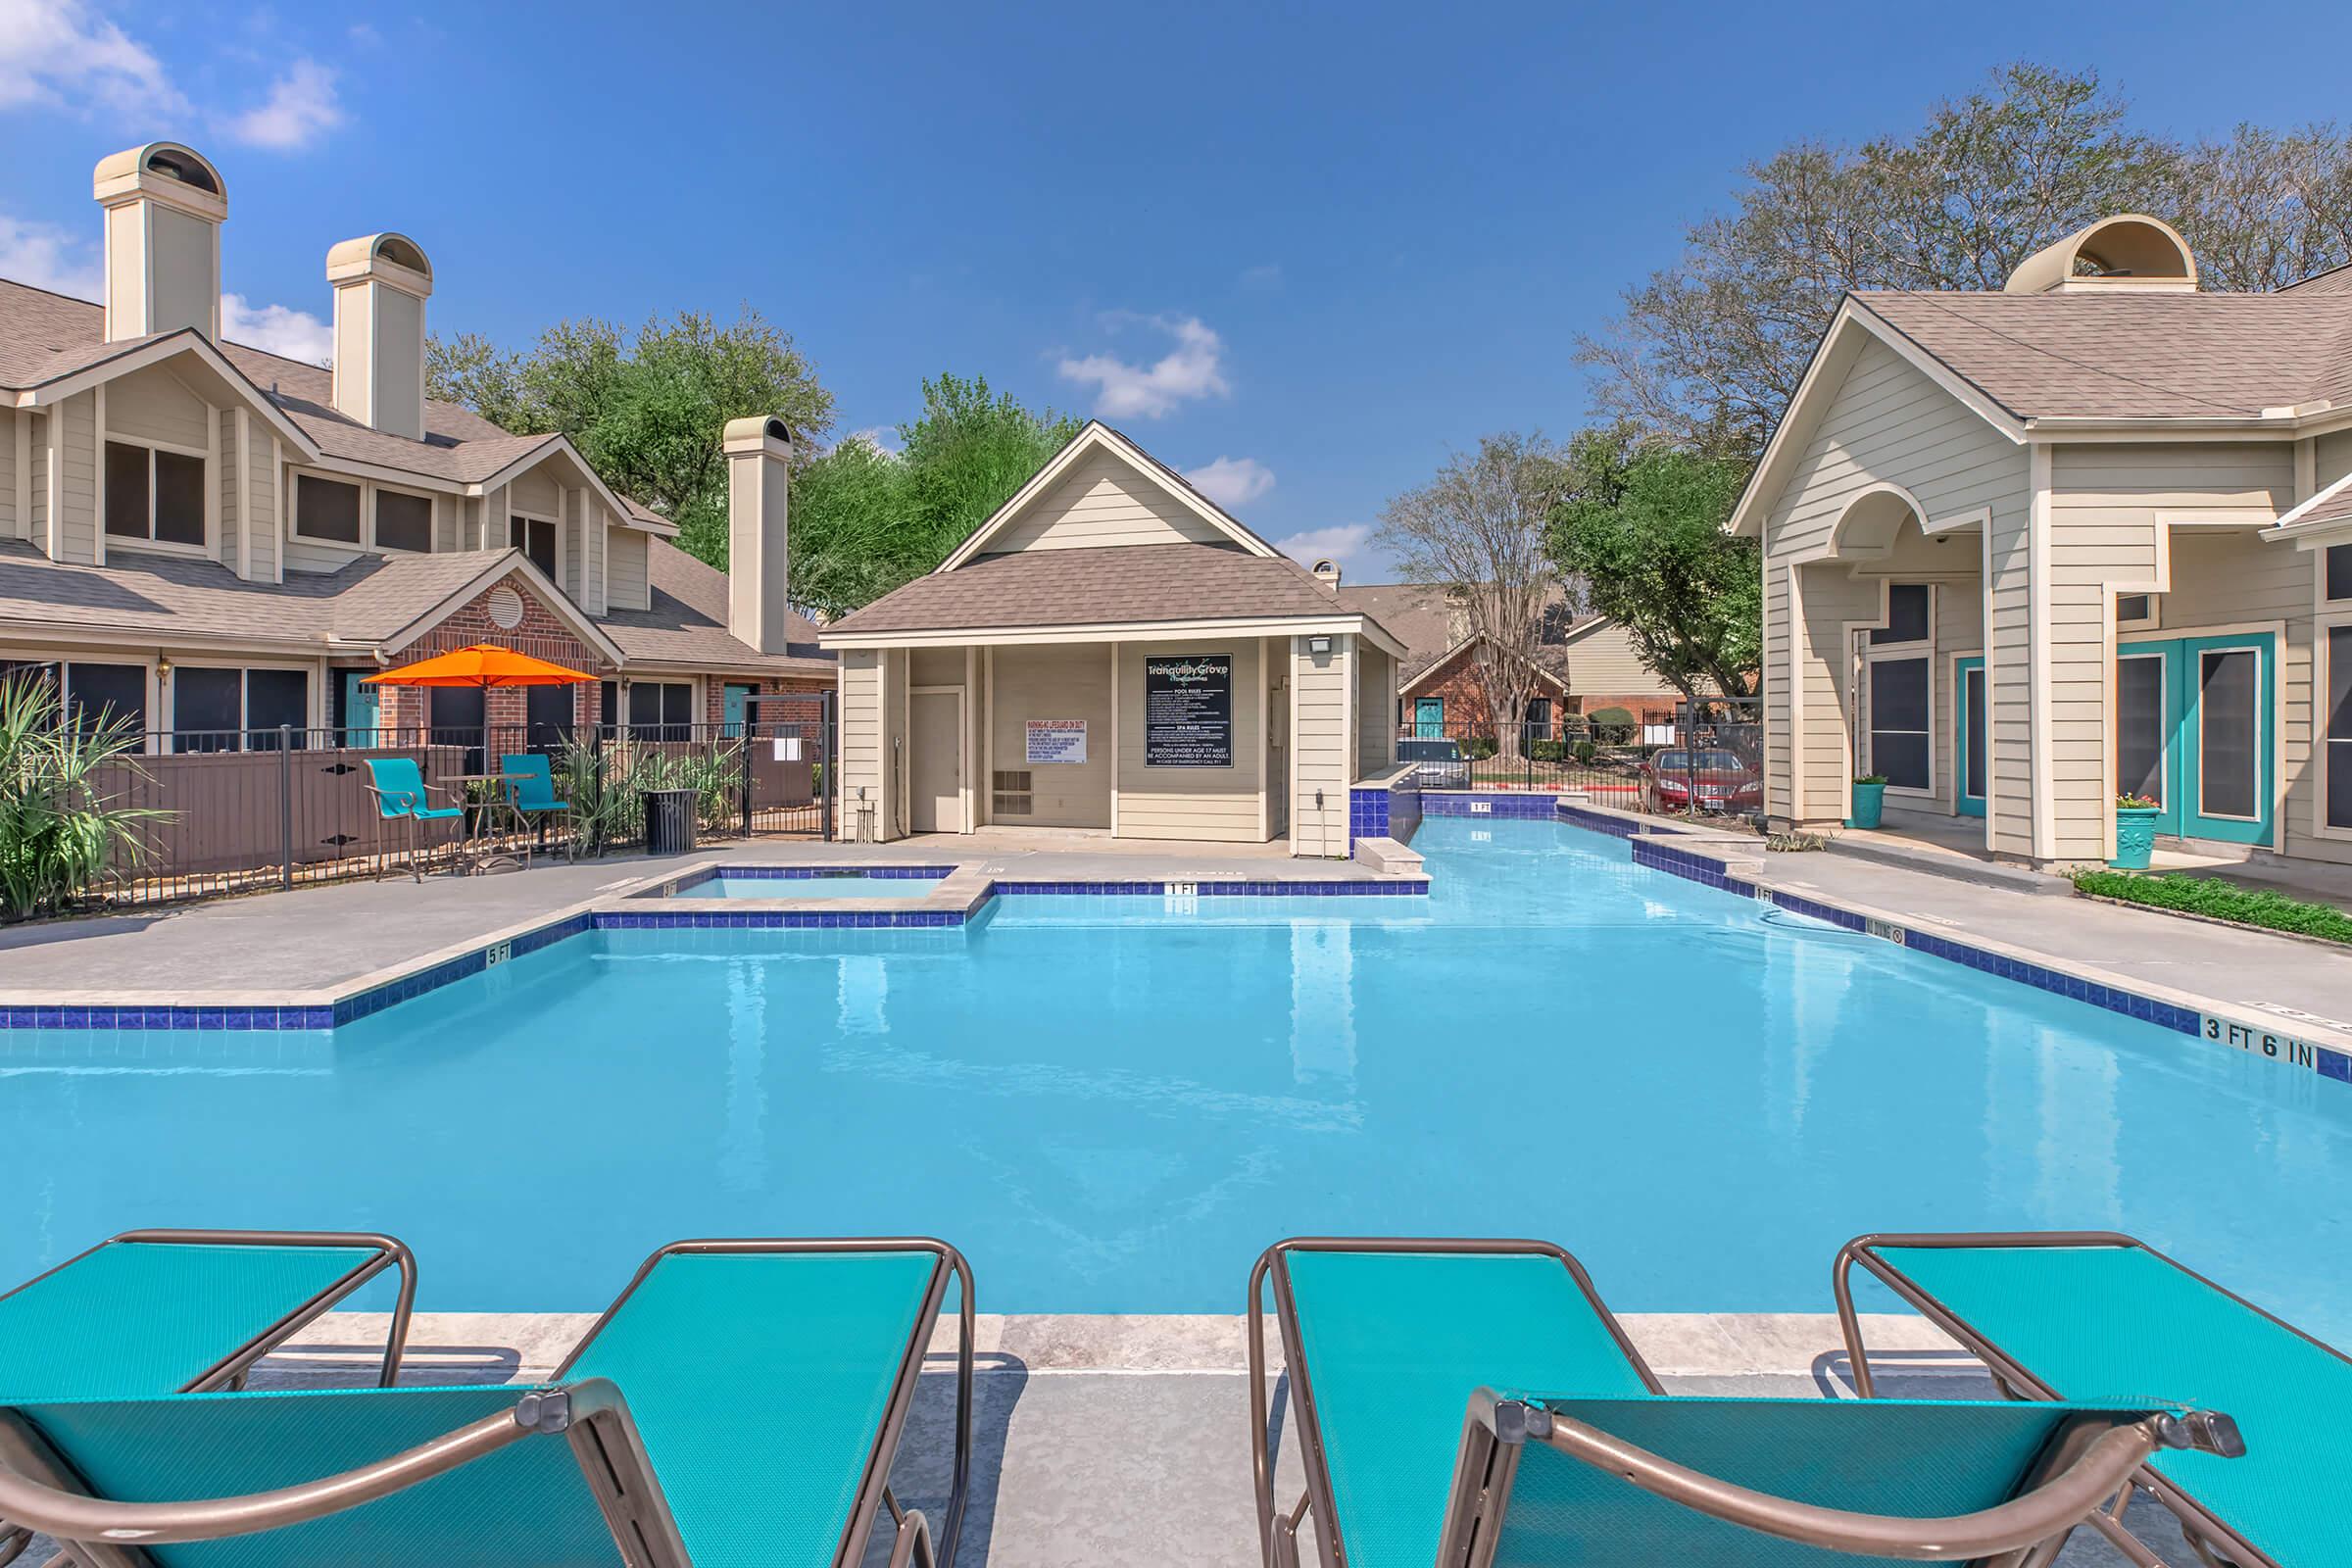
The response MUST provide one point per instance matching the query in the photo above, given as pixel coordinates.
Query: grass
(2219, 900)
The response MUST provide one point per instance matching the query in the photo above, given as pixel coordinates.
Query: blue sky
(1305, 251)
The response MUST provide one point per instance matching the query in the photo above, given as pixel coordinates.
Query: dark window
(128, 499)
(1898, 721)
(2228, 730)
(327, 509)
(2135, 607)
(403, 521)
(661, 711)
(1538, 711)
(547, 717)
(274, 697)
(2141, 728)
(1971, 687)
(2340, 726)
(1906, 613)
(204, 709)
(537, 540)
(96, 692)
(180, 499)
(2339, 571)
(608, 704)
(456, 720)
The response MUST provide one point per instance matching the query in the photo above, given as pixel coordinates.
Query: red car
(1720, 779)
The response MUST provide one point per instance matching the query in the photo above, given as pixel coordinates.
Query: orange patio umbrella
(483, 666)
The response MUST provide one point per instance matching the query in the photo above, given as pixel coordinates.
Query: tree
(1641, 524)
(1478, 528)
(648, 413)
(864, 520)
(1707, 353)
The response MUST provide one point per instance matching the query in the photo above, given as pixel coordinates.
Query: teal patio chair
(159, 1311)
(402, 796)
(740, 1403)
(2094, 1314)
(1395, 1349)
(531, 792)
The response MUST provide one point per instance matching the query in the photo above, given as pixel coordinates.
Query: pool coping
(962, 894)
(1735, 863)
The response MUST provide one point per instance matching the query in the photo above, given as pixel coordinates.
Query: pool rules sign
(1187, 710)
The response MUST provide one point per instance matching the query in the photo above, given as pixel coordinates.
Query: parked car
(1719, 778)
(1441, 765)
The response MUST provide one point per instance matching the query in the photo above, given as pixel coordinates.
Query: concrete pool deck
(1124, 1438)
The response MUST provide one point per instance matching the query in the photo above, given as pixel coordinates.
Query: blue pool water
(810, 886)
(1112, 1105)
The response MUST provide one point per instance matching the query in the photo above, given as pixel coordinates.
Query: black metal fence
(1686, 759)
(234, 810)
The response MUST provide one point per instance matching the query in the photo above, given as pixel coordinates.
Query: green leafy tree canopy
(1642, 525)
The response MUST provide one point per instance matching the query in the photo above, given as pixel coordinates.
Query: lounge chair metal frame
(36, 1485)
(410, 802)
(2208, 1535)
(1278, 1532)
(229, 1372)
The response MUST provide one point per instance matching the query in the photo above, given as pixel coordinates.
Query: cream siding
(1219, 803)
(536, 493)
(225, 476)
(1887, 425)
(1103, 501)
(73, 478)
(152, 405)
(1602, 662)
(626, 586)
(861, 739)
(1322, 728)
(36, 480)
(267, 537)
(13, 524)
(1056, 681)
(1375, 710)
(2332, 456)
(595, 558)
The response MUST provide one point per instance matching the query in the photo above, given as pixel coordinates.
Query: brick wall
(806, 709)
(541, 634)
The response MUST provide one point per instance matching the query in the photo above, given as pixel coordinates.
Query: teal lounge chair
(160, 1311)
(531, 792)
(2092, 1314)
(740, 1403)
(402, 796)
(1395, 1349)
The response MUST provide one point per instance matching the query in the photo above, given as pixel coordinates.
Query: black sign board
(1187, 710)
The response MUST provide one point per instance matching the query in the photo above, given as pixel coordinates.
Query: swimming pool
(842, 885)
(1111, 1102)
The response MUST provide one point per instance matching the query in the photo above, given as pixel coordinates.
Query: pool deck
(1124, 1440)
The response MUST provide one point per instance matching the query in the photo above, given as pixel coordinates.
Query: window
(152, 494)
(238, 709)
(2339, 571)
(456, 718)
(403, 521)
(535, 537)
(103, 693)
(1899, 722)
(546, 716)
(1909, 607)
(608, 704)
(661, 711)
(2230, 732)
(327, 509)
(2340, 725)
(2134, 610)
(2140, 728)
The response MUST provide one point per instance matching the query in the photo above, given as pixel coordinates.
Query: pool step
(1955, 865)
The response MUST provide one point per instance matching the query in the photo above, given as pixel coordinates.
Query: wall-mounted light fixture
(162, 666)
(1318, 645)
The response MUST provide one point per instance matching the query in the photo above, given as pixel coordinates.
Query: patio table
(480, 859)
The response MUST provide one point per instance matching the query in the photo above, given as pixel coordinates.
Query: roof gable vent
(2127, 254)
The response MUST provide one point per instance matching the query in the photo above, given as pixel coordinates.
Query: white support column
(1114, 740)
(98, 474)
(213, 542)
(280, 523)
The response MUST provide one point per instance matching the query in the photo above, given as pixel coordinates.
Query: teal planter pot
(2134, 836)
(1870, 803)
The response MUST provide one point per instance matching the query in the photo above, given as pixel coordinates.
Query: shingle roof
(687, 623)
(2335, 280)
(1117, 584)
(158, 595)
(2136, 356)
(1415, 613)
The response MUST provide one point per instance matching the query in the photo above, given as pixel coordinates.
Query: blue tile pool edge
(447, 971)
(1696, 866)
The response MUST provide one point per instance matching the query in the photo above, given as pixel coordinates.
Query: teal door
(2194, 733)
(1429, 719)
(1968, 738)
(360, 708)
(733, 701)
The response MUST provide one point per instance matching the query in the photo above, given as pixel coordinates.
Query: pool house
(1111, 651)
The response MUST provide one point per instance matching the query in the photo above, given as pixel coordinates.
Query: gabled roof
(2331, 507)
(1096, 436)
(1417, 615)
(1421, 676)
(687, 626)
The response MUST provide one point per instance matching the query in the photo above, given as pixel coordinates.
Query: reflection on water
(1112, 1107)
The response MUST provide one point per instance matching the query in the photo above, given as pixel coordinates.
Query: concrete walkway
(321, 937)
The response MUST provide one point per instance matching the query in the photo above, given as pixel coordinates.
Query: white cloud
(1347, 543)
(60, 53)
(47, 256)
(881, 437)
(301, 108)
(1190, 369)
(278, 329)
(1232, 482)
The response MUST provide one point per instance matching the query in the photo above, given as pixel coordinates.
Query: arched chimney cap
(392, 258)
(756, 433)
(2129, 252)
(170, 171)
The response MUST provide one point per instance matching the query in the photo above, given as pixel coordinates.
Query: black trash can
(668, 821)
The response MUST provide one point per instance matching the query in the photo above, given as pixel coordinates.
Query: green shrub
(1585, 750)
(59, 831)
(2222, 900)
(1547, 750)
(1610, 719)
(1478, 747)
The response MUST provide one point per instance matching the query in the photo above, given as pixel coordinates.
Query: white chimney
(1327, 572)
(165, 205)
(2128, 254)
(759, 497)
(382, 282)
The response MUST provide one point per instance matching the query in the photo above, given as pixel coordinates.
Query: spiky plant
(62, 823)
